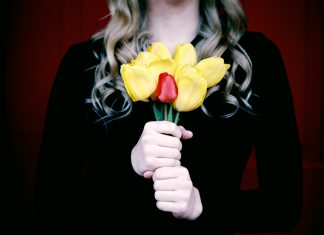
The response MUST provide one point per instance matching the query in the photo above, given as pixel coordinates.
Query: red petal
(167, 89)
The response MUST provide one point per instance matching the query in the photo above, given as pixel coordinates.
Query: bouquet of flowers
(173, 84)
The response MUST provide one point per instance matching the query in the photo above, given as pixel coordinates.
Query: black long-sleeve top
(85, 181)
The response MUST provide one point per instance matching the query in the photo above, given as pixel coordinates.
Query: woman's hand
(175, 193)
(158, 146)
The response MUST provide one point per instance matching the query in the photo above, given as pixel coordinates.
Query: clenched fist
(158, 146)
(175, 193)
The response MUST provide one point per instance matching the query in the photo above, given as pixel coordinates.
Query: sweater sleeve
(276, 204)
(60, 178)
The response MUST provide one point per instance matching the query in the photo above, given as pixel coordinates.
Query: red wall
(41, 31)
(297, 28)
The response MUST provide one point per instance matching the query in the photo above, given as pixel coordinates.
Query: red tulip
(167, 89)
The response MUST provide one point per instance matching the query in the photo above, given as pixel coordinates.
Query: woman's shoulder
(261, 49)
(85, 53)
(257, 42)
(77, 67)
(252, 37)
(88, 45)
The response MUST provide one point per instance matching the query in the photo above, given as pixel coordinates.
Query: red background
(39, 32)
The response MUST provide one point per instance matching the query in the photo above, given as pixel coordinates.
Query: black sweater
(85, 181)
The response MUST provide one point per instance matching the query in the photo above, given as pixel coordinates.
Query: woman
(105, 162)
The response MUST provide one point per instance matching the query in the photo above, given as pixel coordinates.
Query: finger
(165, 185)
(164, 152)
(170, 172)
(148, 174)
(185, 134)
(164, 127)
(171, 184)
(166, 196)
(167, 141)
(170, 206)
(163, 162)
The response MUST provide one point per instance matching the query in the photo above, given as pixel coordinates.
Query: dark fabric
(85, 181)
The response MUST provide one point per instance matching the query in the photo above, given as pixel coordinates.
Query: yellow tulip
(145, 58)
(141, 75)
(138, 81)
(161, 66)
(185, 53)
(185, 71)
(212, 69)
(159, 49)
(192, 90)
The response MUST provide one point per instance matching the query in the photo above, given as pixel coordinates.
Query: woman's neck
(173, 21)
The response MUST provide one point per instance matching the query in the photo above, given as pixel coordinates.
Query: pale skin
(173, 21)
(157, 154)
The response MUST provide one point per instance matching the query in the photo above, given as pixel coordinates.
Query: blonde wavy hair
(223, 22)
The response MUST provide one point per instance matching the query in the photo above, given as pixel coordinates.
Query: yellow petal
(185, 53)
(138, 81)
(162, 66)
(191, 92)
(159, 49)
(212, 69)
(145, 58)
(184, 71)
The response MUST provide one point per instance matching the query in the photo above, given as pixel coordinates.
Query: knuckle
(147, 155)
(176, 143)
(148, 125)
(175, 162)
(150, 163)
(189, 184)
(156, 196)
(184, 171)
(178, 156)
(157, 173)
(146, 139)
(175, 129)
(156, 185)
(159, 205)
(179, 144)
(173, 126)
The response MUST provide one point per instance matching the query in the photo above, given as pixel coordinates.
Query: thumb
(148, 174)
(185, 134)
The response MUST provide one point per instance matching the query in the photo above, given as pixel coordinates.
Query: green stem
(176, 119)
(157, 112)
(165, 111)
(170, 113)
